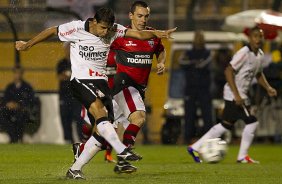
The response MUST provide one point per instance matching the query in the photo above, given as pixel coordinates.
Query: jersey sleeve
(68, 31)
(119, 31)
(238, 60)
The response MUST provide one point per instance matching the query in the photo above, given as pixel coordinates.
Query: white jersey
(88, 53)
(246, 65)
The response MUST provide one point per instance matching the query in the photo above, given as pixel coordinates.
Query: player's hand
(271, 92)
(21, 45)
(165, 34)
(160, 68)
(239, 101)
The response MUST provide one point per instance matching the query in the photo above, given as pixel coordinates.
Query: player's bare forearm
(21, 45)
(264, 83)
(161, 63)
(149, 34)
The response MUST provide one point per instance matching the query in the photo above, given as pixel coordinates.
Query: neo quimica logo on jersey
(88, 53)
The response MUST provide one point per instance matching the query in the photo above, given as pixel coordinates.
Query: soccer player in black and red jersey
(134, 61)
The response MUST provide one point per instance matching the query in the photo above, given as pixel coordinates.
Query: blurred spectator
(221, 60)
(274, 71)
(196, 65)
(16, 106)
(69, 107)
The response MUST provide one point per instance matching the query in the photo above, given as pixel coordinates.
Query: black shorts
(233, 113)
(88, 90)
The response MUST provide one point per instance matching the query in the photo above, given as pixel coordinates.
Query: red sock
(86, 130)
(130, 134)
(81, 148)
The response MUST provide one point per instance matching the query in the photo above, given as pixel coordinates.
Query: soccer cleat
(124, 167)
(129, 155)
(194, 154)
(76, 150)
(247, 160)
(76, 174)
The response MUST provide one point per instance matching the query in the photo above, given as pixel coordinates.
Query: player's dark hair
(256, 28)
(106, 15)
(138, 3)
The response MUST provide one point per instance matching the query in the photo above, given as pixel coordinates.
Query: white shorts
(129, 100)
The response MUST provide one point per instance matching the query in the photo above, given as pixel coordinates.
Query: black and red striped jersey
(134, 57)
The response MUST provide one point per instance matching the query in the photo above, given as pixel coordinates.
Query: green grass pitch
(30, 164)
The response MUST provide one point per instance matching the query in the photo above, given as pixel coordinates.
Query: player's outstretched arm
(148, 34)
(22, 45)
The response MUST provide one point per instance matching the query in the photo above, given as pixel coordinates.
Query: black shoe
(129, 155)
(77, 174)
(76, 150)
(124, 167)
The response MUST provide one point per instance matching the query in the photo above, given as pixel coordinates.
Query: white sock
(91, 148)
(216, 131)
(107, 131)
(247, 139)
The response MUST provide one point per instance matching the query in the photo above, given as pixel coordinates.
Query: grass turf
(29, 164)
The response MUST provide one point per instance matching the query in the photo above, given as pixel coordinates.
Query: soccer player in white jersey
(90, 44)
(244, 66)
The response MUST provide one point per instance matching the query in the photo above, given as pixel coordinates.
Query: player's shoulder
(243, 51)
(118, 28)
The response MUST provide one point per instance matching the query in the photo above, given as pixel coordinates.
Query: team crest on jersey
(151, 43)
(130, 44)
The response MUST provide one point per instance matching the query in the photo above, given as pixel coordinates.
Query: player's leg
(130, 101)
(91, 148)
(247, 138)
(230, 115)
(132, 106)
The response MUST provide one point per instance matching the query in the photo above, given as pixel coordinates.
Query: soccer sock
(130, 134)
(216, 131)
(91, 147)
(81, 147)
(247, 139)
(107, 131)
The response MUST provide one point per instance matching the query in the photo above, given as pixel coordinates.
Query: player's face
(139, 18)
(101, 29)
(256, 39)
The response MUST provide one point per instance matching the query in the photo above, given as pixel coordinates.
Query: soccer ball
(213, 150)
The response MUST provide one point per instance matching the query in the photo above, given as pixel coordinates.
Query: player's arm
(22, 45)
(229, 76)
(148, 34)
(161, 63)
(263, 82)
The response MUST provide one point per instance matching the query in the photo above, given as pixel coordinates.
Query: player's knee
(227, 125)
(97, 110)
(138, 118)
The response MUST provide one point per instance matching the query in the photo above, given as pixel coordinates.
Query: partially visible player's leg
(131, 102)
(91, 148)
(231, 114)
(247, 139)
